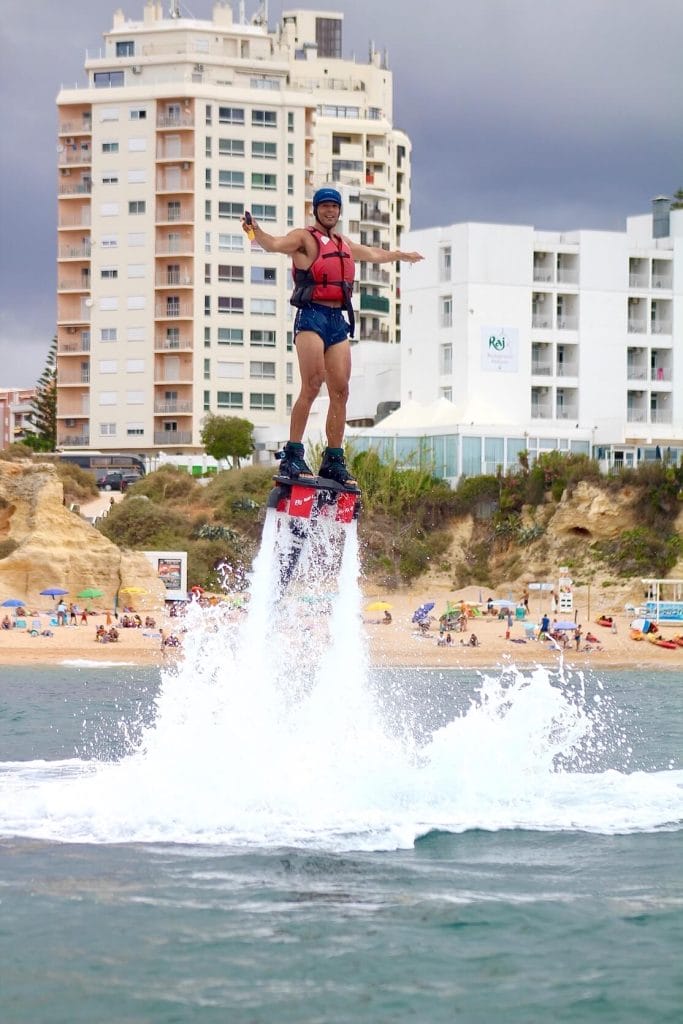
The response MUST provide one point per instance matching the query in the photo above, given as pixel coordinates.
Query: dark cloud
(558, 114)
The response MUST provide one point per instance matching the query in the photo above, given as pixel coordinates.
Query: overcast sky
(557, 113)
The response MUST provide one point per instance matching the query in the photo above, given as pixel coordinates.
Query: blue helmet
(326, 195)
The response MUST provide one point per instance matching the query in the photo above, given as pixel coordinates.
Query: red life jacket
(329, 277)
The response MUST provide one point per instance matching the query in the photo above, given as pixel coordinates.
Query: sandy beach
(399, 643)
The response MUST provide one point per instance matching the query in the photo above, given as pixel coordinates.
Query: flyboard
(313, 515)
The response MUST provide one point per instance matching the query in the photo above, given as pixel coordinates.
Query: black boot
(333, 467)
(292, 461)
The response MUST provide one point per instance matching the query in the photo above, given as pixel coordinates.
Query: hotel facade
(165, 311)
(516, 339)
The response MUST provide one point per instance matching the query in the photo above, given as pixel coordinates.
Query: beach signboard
(171, 568)
(565, 587)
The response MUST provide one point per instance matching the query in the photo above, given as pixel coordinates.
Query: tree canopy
(228, 437)
(44, 436)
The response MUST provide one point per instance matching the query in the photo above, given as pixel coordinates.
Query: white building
(537, 340)
(164, 310)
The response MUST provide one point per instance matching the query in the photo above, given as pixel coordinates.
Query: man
(323, 270)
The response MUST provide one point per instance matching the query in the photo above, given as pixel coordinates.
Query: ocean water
(271, 831)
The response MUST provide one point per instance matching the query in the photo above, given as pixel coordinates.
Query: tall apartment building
(16, 414)
(538, 341)
(165, 312)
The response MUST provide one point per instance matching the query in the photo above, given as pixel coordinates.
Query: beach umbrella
(564, 625)
(12, 602)
(503, 603)
(90, 592)
(53, 592)
(379, 606)
(423, 611)
(136, 591)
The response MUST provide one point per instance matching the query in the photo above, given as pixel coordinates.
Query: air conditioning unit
(136, 69)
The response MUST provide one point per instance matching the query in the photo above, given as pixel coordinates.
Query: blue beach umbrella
(53, 592)
(12, 602)
(564, 625)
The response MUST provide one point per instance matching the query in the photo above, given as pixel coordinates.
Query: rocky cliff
(44, 544)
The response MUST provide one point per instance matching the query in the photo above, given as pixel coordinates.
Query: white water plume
(269, 732)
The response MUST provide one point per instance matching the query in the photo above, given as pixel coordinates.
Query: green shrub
(167, 484)
(642, 551)
(140, 523)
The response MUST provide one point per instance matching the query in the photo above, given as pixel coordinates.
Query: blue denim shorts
(326, 321)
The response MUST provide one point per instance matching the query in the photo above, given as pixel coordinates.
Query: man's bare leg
(310, 353)
(337, 376)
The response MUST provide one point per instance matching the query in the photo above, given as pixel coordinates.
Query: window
(264, 150)
(136, 270)
(230, 399)
(445, 263)
(262, 339)
(263, 275)
(108, 398)
(207, 273)
(109, 114)
(109, 303)
(233, 211)
(108, 334)
(109, 242)
(263, 307)
(445, 359)
(207, 241)
(328, 36)
(230, 370)
(135, 430)
(231, 179)
(110, 178)
(135, 334)
(137, 239)
(137, 206)
(109, 273)
(261, 371)
(290, 121)
(207, 146)
(107, 429)
(231, 147)
(231, 243)
(290, 184)
(135, 302)
(135, 397)
(137, 176)
(230, 273)
(108, 366)
(207, 401)
(135, 365)
(327, 110)
(207, 369)
(262, 400)
(207, 177)
(264, 118)
(138, 114)
(107, 79)
(110, 147)
(289, 373)
(230, 336)
(230, 304)
(207, 209)
(262, 212)
(265, 181)
(231, 115)
(207, 305)
(125, 48)
(446, 311)
(109, 209)
(290, 152)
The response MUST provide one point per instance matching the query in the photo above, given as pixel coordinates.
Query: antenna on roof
(174, 9)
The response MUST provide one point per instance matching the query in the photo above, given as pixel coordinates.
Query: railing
(80, 189)
(177, 247)
(183, 153)
(375, 336)
(567, 369)
(179, 279)
(172, 344)
(78, 284)
(567, 276)
(660, 416)
(172, 437)
(78, 219)
(64, 379)
(541, 320)
(167, 408)
(375, 303)
(660, 327)
(73, 157)
(175, 120)
(74, 252)
(374, 215)
(541, 369)
(567, 323)
(163, 312)
(74, 441)
(166, 216)
(636, 326)
(662, 281)
(83, 127)
(376, 276)
(541, 412)
(660, 373)
(71, 347)
(636, 416)
(566, 414)
(543, 275)
(638, 281)
(636, 373)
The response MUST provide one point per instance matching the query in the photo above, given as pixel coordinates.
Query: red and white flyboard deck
(314, 497)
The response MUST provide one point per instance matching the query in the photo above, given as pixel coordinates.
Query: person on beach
(323, 271)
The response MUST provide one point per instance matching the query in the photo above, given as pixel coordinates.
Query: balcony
(74, 157)
(374, 303)
(541, 368)
(70, 348)
(570, 368)
(81, 127)
(541, 320)
(181, 246)
(73, 252)
(636, 326)
(660, 327)
(567, 323)
(660, 416)
(75, 284)
(169, 122)
(636, 372)
(661, 373)
(75, 219)
(175, 311)
(173, 344)
(374, 215)
(543, 274)
(567, 275)
(78, 188)
(636, 416)
(662, 281)
(375, 276)
(73, 441)
(175, 214)
(376, 336)
(172, 437)
(73, 379)
(172, 408)
(174, 279)
(541, 411)
(638, 280)
(173, 150)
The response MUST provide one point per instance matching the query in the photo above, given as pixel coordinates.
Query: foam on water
(268, 732)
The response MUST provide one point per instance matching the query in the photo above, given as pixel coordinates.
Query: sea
(268, 830)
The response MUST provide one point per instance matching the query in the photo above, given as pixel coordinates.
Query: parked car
(115, 480)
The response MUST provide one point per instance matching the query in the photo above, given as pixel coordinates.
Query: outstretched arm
(373, 254)
(293, 241)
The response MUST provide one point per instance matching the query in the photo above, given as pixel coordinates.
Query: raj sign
(499, 349)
